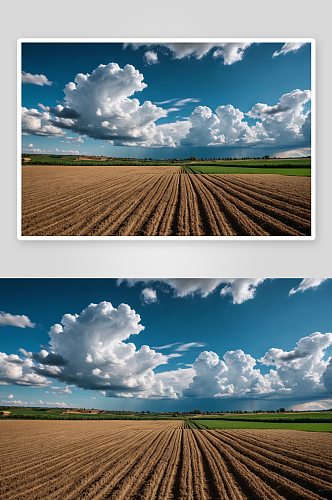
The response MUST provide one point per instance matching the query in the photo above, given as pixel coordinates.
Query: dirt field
(161, 201)
(160, 460)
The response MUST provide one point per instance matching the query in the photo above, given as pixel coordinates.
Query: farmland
(160, 460)
(162, 200)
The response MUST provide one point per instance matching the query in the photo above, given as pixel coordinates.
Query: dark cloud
(65, 112)
(50, 359)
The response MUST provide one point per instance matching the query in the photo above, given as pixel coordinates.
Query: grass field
(323, 417)
(221, 169)
(241, 424)
(58, 413)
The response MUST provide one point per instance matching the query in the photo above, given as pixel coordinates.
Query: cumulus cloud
(322, 404)
(149, 295)
(10, 396)
(233, 376)
(306, 284)
(100, 357)
(288, 47)
(231, 52)
(17, 320)
(151, 57)
(97, 356)
(35, 150)
(101, 106)
(281, 124)
(16, 402)
(61, 390)
(298, 373)
(36, 123)
(14, 370)
(240, 289)
(294, 153)
(35, 79)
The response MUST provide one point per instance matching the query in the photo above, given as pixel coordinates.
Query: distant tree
(197, 411)
(282, 410)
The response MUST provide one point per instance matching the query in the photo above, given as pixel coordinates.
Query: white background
(160, 18)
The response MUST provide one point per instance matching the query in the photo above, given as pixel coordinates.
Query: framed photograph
(166, 139)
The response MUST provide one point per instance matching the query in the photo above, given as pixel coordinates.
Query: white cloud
(40, 402)
(10, 396)
(35, 79)
(30, 146)
(16, 402)
(322, 404)
(106, 111)
(151, 57)
(100, 105)
(240, 289)
(189, 345)
(14, 370)
(69, 151)
(101, 98)
(36, 123)
(90, 351)
(17, 320)
(36, 150)
(149, 295)
(282, 124)
(288, 47)
(57, 404)
(306, 284)
(61, 390)
(294, 153)
(231, 52)
(298, 373)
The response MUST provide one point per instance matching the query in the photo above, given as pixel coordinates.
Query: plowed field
(160, 460)
(161, 201)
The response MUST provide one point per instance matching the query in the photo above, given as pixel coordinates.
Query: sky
(166, 344)
(167, 100)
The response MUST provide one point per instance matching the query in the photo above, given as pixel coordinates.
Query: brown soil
(160, 201)
(95, 158)
(80, 412)
(160, 460)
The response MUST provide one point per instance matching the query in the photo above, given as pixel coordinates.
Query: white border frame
(312, 41)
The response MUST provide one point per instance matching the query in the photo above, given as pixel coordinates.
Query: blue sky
(167, 100)
(168, 344)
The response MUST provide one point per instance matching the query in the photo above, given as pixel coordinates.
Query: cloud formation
(14, 370)
(229, 52)
(90, 350)
(101, 106)
(288, 47)
(35, 79)
(240, 289)
(306, 284)
(149, 295)
(17, 320)
(150, 57)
